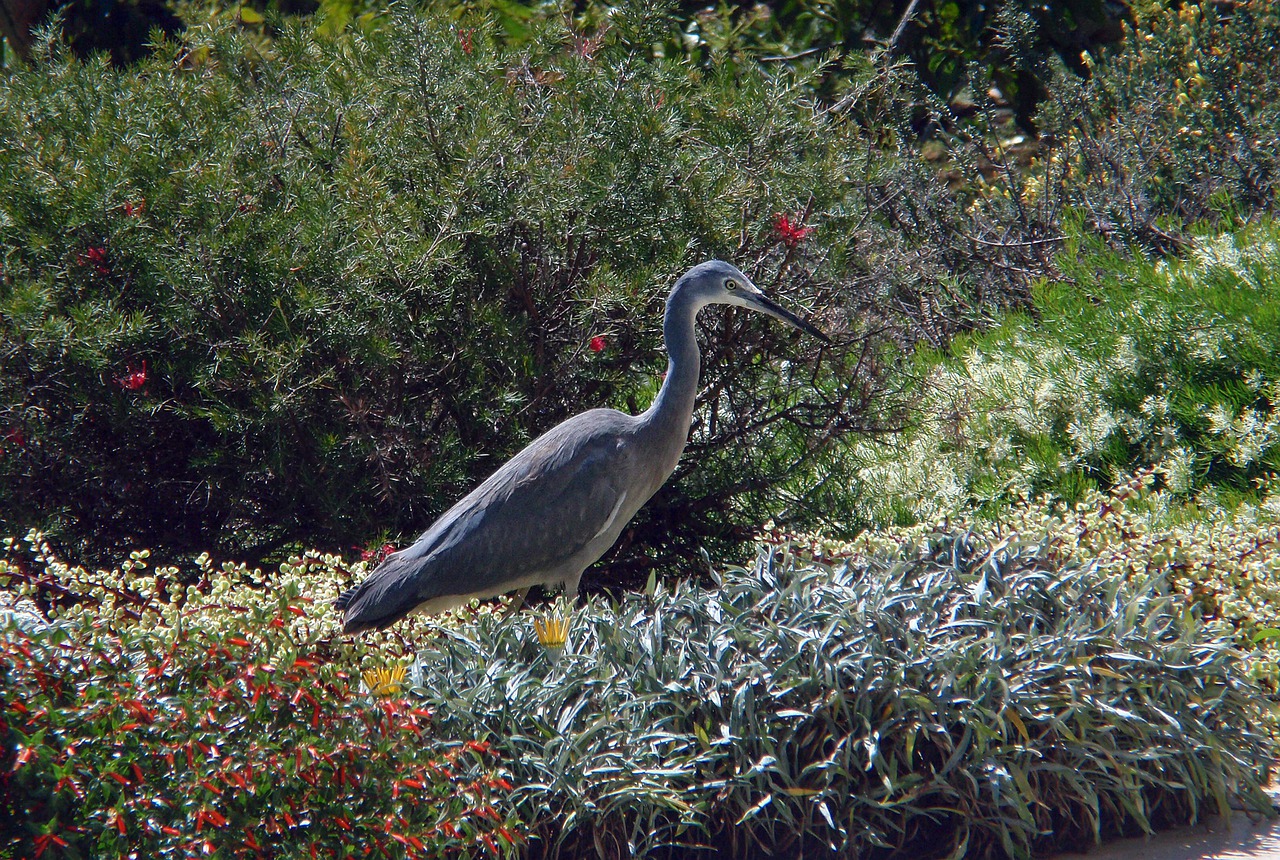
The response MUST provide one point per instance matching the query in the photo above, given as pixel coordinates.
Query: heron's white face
(737, 289)
(717, 282)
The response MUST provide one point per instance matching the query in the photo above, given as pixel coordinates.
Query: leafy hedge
(134, 731)
(1172, 367)
(308, 293)
(263, 294)
(969, 698)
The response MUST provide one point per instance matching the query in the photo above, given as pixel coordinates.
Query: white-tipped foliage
(962, 697)
(1132, 364)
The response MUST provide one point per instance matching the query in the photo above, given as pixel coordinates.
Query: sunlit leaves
(959, 691)
(232, 725)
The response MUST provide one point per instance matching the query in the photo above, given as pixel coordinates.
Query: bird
(553, 509)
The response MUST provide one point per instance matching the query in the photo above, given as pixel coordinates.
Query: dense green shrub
(945, 40)
(1142, 141)
(1168, 129)
(956, 48)
(312, 291)
(966, 698)
(135, 732)
(1129, 364)
(256, 295)
(1176, 127)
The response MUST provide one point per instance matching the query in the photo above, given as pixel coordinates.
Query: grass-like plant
(1224, 560)
(967, 698)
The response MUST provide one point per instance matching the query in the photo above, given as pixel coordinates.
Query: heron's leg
(516, 603)
(570, 594)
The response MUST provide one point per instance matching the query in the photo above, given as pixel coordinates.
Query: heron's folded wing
(532, 516)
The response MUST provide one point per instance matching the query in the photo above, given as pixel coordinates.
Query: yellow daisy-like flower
(553, 633)
(385, 682)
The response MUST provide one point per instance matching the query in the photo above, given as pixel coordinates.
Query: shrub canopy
(313, 291)
(260, 293)
(1171, 366)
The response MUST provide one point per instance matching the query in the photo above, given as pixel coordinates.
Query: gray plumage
(557, 506)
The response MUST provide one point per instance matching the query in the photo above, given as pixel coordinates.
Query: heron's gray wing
(532, 516)
(535, 513)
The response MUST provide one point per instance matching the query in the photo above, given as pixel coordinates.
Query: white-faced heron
(554, 508)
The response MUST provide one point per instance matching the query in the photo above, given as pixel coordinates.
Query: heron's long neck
(667, 421)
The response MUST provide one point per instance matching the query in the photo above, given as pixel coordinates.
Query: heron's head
(719, 283)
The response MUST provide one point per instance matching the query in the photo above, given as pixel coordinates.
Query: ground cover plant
(149, 720)
(1223, 559)
(1170, 366)
(964, 697)
(1063, 673)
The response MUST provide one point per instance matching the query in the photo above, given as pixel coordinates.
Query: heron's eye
(730, 285)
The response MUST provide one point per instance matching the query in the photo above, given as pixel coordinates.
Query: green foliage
(1065, 675)
(312, 291)
(158, 740)
(956, 47)
(1175, 127)
(1222, 559)
(1129, 364)
(261, 293)
(949, 42)
(963, 698)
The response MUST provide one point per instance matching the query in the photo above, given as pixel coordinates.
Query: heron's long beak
(774, 309)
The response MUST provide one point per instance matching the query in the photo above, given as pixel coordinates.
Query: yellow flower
(553, 633)
(385, 682)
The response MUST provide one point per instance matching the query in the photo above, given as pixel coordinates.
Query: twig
(799, 55)
(1026, 244)
(902, 25)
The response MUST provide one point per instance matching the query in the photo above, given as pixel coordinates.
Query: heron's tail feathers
(389, 594)
(344, 599)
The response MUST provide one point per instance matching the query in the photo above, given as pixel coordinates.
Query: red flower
(96, 257)
(135, 378)
(465, 39)
(586, 46)
(791, 232)
(14, 437)
(597, 344)
(377, 555)
(135, 210)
